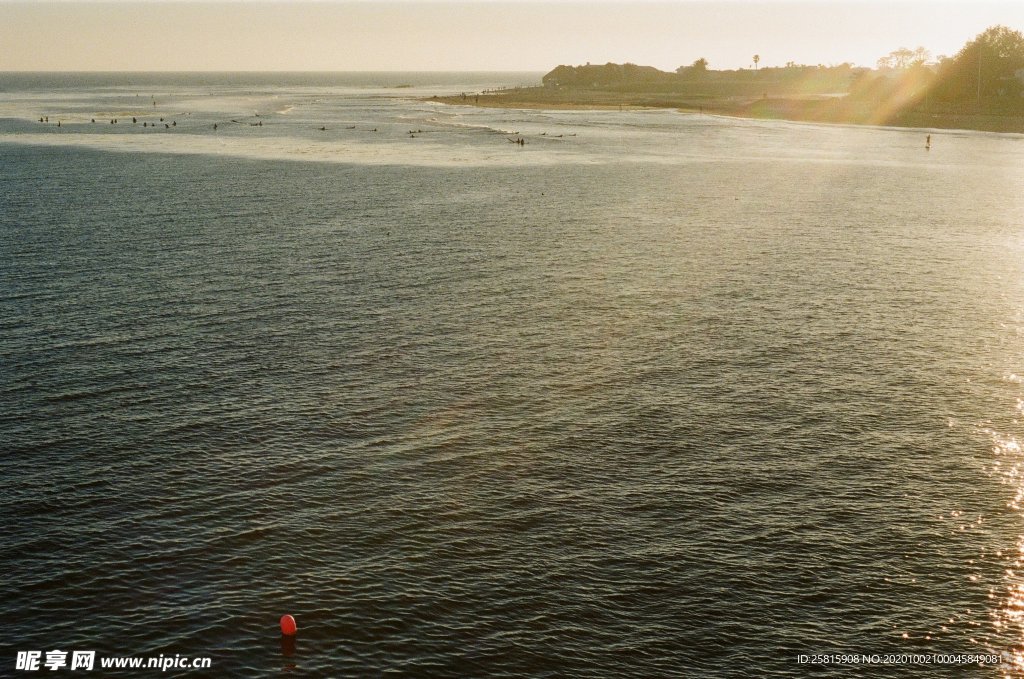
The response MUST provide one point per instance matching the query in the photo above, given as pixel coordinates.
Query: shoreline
(803, 109)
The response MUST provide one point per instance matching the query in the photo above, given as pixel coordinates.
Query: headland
(911, 97)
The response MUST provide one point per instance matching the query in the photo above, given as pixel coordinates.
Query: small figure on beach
(928, 142)
(94, 120)
(134, 121)
(215, 127)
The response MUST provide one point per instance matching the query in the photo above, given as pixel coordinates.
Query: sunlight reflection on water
(647, 368)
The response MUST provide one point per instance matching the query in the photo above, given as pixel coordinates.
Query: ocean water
(654, 394)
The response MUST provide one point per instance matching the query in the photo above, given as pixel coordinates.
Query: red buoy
(288, 626)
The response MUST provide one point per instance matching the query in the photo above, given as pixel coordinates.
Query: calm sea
(652, 394)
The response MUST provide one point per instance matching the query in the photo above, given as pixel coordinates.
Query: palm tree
(757, 58)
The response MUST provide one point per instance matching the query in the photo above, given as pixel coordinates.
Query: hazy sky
(476, 35)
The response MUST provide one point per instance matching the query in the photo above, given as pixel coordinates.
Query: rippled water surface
(654, 394)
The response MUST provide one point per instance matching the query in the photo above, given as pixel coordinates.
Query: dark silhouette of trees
(694, 71)
(986, 76)
(980, 87)
(986, 68)
(904, 58)
(605, 75)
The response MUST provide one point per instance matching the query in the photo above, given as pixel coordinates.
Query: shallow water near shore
(653, 394)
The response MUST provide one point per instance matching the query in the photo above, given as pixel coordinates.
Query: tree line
(611, 75)
(986, 74)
